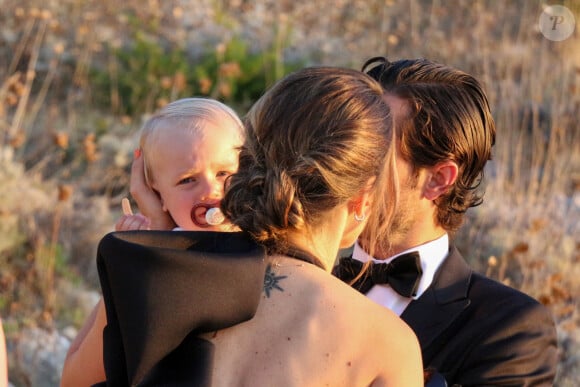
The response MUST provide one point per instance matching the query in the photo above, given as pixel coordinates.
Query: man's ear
(440, 177)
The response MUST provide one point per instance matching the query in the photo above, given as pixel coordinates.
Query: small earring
(359, 218)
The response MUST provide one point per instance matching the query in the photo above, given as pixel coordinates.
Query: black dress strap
(302, 255)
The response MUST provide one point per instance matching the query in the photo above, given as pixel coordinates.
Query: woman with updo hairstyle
(317, 159)
(318, 149)
(313, 142)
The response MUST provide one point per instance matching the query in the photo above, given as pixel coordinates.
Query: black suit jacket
(478, 332)
(161, 290)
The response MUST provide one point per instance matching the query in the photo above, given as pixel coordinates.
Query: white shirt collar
(432, 255)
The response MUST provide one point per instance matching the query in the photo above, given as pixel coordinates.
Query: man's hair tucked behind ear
(449, 118)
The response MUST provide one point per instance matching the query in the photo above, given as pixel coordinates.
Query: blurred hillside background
(77, 78)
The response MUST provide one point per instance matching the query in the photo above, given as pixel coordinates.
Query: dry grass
(52, 134)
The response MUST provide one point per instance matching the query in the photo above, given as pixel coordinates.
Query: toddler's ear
(163, 207)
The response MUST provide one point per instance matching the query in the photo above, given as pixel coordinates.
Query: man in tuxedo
(472, 330)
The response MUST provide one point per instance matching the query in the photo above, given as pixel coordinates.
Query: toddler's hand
(130, 221)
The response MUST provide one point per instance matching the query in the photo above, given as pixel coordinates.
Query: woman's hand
(147, 200)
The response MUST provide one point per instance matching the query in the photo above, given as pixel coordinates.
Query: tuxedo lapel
(441, 304)
(475, 331)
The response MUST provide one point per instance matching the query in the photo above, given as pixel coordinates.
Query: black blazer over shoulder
(478, 332)
(161, 290)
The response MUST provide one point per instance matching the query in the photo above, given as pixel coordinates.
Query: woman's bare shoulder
(331, 295)
(375, 338)
(302, 296)
(319, 325)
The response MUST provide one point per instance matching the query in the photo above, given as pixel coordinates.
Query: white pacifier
(214, 216)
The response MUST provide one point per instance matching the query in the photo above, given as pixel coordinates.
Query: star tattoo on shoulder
(271, 281)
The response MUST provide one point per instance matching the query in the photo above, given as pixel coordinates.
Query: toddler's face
(189, 172)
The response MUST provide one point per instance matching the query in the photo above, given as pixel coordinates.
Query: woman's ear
(440, 177)
(358, 211)
(360, 206)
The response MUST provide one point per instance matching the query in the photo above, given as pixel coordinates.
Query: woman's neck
(304, 256)
(322, 241)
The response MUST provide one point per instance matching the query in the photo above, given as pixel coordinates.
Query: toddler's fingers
(133, 222)
(126, 205)
(121, 224)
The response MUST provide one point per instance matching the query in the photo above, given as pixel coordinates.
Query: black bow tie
(402, 273)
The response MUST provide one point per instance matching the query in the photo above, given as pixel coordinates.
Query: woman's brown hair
(313, 141)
